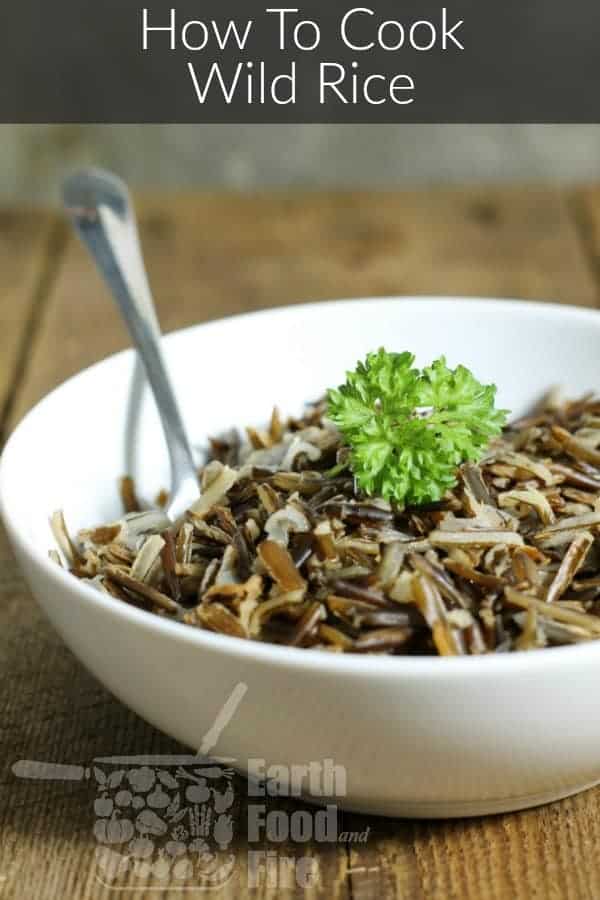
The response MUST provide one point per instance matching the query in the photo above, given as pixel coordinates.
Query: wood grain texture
(212, 255)
(29, 244)
(216, 255)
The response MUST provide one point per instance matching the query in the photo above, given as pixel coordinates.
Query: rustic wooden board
(30, 242)
(212, 255)
(215, 255)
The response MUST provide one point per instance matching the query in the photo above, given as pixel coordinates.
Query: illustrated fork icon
(47, 771)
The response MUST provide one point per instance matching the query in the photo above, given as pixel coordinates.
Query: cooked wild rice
(281, 548)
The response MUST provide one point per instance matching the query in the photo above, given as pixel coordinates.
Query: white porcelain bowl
(417, 736)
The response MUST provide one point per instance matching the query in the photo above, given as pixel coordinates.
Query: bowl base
(455, 809)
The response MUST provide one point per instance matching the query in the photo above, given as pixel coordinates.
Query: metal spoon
(99, 206)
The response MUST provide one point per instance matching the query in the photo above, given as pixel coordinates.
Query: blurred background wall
(245, 157)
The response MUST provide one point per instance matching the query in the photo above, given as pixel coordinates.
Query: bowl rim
(274, 655)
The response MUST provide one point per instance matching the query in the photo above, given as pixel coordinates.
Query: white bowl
(417, 736)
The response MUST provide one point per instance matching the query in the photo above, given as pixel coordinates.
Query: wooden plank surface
(215, 255)
(212, 255)
(30, 244)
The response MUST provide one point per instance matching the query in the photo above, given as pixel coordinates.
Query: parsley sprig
(408, 430)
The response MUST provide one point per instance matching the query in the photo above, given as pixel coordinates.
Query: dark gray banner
(373, 61)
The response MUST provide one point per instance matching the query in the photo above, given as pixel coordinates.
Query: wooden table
(212, 255)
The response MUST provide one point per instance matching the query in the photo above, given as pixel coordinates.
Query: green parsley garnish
(408, 430)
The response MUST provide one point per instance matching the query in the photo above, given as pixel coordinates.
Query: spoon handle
(99, 206)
